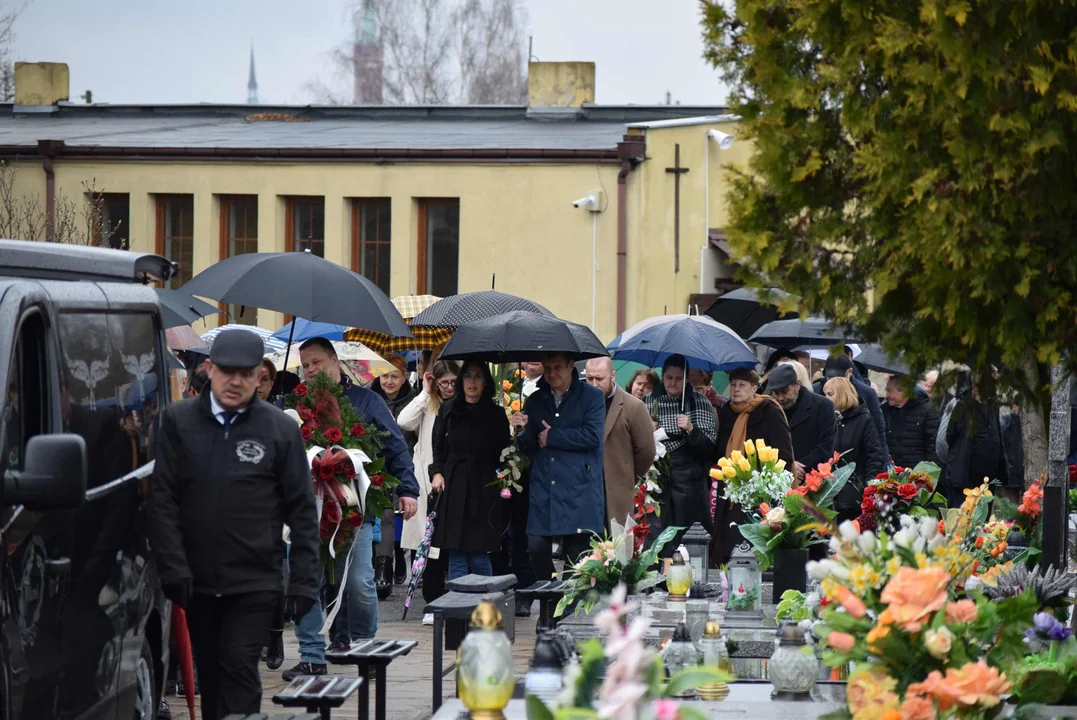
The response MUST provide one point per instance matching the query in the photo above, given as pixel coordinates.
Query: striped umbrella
(411, 305)
(423, 338)
(272, 344)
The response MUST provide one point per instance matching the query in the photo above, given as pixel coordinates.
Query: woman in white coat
(418, 417)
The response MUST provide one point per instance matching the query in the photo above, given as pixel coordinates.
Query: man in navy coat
(563, 433)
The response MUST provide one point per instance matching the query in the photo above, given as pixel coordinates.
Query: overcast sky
(151, 51)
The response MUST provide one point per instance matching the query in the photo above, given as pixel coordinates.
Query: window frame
(224, 209)
(291, 202)
(358, 243)
(159, 232)
(422, 255)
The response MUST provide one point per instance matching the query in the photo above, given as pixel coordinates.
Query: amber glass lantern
(484, 677)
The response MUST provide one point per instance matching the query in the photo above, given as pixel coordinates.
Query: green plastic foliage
(922, 150)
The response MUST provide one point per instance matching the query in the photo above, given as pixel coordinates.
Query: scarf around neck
(740, 427)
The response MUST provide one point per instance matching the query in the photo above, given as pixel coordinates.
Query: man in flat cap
(230, 471)
(812, 423)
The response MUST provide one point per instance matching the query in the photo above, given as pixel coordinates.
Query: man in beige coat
(628, 451)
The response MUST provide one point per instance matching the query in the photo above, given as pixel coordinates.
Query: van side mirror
(53, 476)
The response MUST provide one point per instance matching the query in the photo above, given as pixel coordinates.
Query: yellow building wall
(516, 221)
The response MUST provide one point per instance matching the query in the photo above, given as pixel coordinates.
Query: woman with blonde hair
(858, 442)
(439, 385)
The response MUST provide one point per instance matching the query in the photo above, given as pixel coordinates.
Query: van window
(112, 386)
(25, 407)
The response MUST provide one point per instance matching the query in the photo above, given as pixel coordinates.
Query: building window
(239, 235)
(175, 234)
(112, 215)
(371, 240)
(439, 246)
(305, 221)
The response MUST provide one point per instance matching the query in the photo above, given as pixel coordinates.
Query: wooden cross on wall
(677, 171)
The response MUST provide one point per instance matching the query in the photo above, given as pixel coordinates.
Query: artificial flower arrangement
(621, 678)
(795, 521)
(648, 491)
(614, 560)
(753, 477)
(513, 462)
(900, 491)
(894, 606)
(346, 444)
(1049, 675)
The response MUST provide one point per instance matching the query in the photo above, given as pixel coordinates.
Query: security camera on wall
(593, 201)
(724, 140)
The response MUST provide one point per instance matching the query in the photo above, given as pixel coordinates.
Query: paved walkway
(409, 696)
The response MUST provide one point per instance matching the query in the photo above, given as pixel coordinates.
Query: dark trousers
(514, 555)
(227, 635)
(541, 549)
(434, 576)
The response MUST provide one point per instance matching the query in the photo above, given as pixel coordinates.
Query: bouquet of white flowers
(753, 477)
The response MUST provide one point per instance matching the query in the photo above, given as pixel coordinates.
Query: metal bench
(452, 606)
(376, 655)
(548, 593)
(319, 695)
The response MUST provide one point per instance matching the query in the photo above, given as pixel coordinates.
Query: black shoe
(383, 577)
(523, 608)
(400, 576)
(303, 669)
(338, 646)
(275, 651)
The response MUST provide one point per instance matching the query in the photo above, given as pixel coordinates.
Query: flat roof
(592, 130)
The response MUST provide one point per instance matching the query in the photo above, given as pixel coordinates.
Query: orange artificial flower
(842, 642)
(914, 594)
(972, 684)
(890, 714)
(961, 611)
(764, 508)
(813, 480)
(506, 385)
(877, 633)
(870, 693)
(515, 407)
(980, 541)
(917, 708)
(852, 604)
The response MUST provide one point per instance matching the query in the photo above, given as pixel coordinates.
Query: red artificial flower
(898, 470)
(333, 435)
(358, 430)
(349, 471)
(304, 412)
(325, 471)
(882, 476)
(331, 511)
(907, 491)
(1073, 474)
(356, 519)
(300, 390)
(867, 506)
(377, 481)
(307, 434)
(869, 491)
(866, 522)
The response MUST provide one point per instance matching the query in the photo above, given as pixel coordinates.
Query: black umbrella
(457, 310)
(302, 285)
(745, 310)
(877, 359)
(816, 332)
(179, 308)
(519, 336)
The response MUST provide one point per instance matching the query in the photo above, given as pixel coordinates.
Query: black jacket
(219, 499)
(857, 442)
(911, 431)
(467, 442)
(975, 440)
(813, 428)
(1013, 449)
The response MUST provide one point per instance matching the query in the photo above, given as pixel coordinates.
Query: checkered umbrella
(423, 338)
(411, 305)
(457, 310)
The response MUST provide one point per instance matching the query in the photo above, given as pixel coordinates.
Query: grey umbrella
(457, 310)
(179, 308)
(521, 336)
(817, 332)
(745, 310)
(877, 359)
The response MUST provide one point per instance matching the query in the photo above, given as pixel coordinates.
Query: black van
(83, 630)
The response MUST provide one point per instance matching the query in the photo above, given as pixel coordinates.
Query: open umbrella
(347, 352)
(422, 554)
(877, 359)
(813, 331)
(272, 344)
(520, 335)
(411, 305)
(705, 343)
(422, 338)
(745, 310)
(179, 308)
(301, 329)
(182, 337)
(457, 310)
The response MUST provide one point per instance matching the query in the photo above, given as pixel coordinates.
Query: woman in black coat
(469, 434)
(858, 442)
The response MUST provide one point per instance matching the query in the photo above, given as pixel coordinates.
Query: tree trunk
(1033, 421)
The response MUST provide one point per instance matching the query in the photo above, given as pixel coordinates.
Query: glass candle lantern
(793, 667)
(680, 653)
(697, 542)
(745, 581)
(715, 655)
(544, 677)
(484, 678)
(678, 578)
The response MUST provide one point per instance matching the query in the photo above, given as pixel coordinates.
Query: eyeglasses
(446, 383)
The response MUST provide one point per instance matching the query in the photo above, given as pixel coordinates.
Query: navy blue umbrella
(705, 344)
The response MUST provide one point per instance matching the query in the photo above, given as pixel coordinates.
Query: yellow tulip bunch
(755, 472)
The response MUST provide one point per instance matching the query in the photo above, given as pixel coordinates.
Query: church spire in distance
(252, 83)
